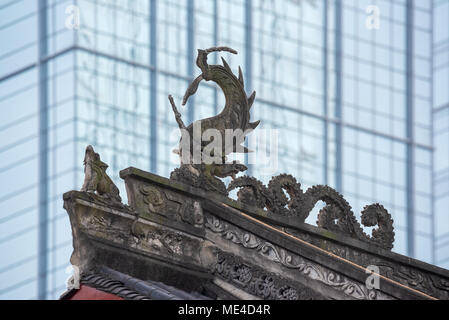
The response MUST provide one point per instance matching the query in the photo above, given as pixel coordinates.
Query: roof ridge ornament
(235, 117)
(96, 180)
(336, 216)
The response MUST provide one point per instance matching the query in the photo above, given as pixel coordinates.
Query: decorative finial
(203, 162)
(96, 179)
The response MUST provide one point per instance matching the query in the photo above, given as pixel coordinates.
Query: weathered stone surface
(199, 240)
(119, 239)
(336, 216)
(235, 117)
(259, 282)
(96, 179)
(186, 232)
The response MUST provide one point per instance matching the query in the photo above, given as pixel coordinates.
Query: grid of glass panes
(287, 55)
(100, 85)
(374, 110)
(441, 130)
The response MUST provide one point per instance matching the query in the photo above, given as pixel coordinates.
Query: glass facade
(351, 86)
(441, 131)
(386, 113)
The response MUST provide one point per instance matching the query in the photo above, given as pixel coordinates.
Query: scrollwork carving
(431, 285)
(336, 216)
(151, 195)
(291, 261)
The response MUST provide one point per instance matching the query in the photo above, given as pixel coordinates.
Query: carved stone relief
(289, 260)
(259, 282)
(429, 284)
(169, 204)
(142, 235)
(336, 216)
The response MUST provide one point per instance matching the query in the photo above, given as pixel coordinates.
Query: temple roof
(129, 288)
(184, 241)
(184, 237)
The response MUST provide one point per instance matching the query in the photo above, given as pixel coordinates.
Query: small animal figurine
(96, 178)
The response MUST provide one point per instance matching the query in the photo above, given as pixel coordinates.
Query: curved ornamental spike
(233, 121)
(336, 216)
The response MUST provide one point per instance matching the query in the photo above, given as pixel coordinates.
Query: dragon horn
(226, 65)
(251, 99)
(241, 77)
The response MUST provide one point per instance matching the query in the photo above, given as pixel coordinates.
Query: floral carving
(151, 196)
(288, 293)
(291, 261)
(258, 282)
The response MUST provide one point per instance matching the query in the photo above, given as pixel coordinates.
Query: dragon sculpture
(336, 216)
(234, 117)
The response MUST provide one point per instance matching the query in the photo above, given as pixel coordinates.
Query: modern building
(441, 132)
(351, 86)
